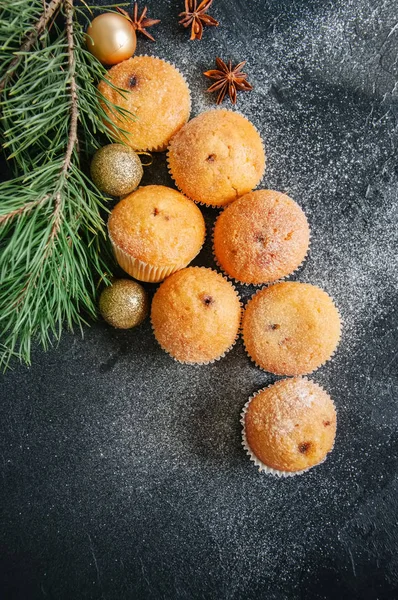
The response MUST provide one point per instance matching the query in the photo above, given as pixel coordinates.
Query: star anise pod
(228, 79)
(196, 16)
(140, 23)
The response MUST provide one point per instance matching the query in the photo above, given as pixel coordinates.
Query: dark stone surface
(122, 473)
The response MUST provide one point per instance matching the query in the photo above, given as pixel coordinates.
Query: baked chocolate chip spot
(157, 212)
(304, 447)
(274, 326)
(326, 423)
(208, 300)
(132, 81)
(260, 238)
(211, 158)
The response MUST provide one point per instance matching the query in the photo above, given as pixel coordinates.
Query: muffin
(291, 328)
(196, 315)
(155, 231)
(262, 237)
(155, 92)
(289, 427)
(216, 157)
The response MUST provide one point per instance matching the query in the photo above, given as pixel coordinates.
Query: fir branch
(26, 208)
(53, 246)
(72, 139)
(38, 28)
(72, 87)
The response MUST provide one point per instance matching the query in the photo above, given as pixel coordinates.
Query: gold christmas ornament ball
(116, 169)
(124, 304)
(111, 38)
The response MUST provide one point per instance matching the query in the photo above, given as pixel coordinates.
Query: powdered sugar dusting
(323, 139)
(121, 429)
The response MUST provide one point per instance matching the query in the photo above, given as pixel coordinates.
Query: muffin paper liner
(264, 283)
(262, 467)
(208, 362)
(142, 270)
(219, 206)
(295, 374)
(163, 147)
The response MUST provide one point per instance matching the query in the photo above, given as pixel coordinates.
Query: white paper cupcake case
(296, 374)
(218, 205)
(198, 364)
(162, 148)
(264, 284)
(144, 271)
(262, 467)
(209, 362)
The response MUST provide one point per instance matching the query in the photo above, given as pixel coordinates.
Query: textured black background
(122, 474)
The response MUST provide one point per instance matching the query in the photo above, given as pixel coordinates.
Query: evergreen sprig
(52, 250)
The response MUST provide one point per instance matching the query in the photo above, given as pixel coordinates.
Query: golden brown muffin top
(156, 93)
(261, 237)
(217, 157)
(291, 425)
(157, 225)
(291, 328)
(196, 315)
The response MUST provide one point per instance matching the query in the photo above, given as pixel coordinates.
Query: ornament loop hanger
(150, 158)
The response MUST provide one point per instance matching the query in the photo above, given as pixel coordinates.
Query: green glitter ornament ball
(124, 304)
(116, 169)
